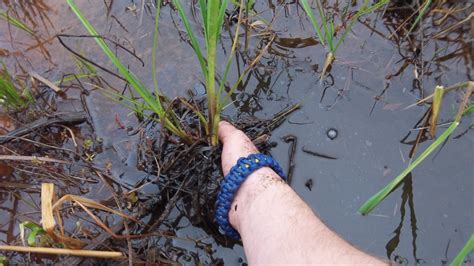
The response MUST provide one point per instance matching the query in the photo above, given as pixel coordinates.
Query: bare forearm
(276, 226)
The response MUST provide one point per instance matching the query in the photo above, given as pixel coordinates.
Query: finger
(226, 130)
(236, 145)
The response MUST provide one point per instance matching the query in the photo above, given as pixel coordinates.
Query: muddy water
(426, 220)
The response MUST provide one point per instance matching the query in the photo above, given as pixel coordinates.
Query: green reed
(153, 102)
(212, 16)
(372, 202)
(327, 34)
(10, 95)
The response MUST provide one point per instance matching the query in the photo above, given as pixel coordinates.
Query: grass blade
(372, 8)
(313, 20)
(203, 7)
(137, 85)
(212, 13)
(371, 203)
(464, 252)
(232, 52)
(469, 110)
(220, 20)
(213, 30)
(324, 21)
(192, 37)
(155, 44)
(420, 15)
(16, 23)
(456, 86)
(362, 11)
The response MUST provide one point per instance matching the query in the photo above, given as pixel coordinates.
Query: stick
(46, 82)
(63, 251)
(57, 118)
(31, 158)
(97, 241)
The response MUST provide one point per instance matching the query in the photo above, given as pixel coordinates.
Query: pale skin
(276, 225)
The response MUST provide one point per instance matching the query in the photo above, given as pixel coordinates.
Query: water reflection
(392, 244)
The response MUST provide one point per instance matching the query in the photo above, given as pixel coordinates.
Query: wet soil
(347, 140)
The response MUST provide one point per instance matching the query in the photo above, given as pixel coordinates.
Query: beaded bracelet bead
(231, 183)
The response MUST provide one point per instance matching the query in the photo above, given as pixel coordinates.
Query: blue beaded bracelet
(231, 183)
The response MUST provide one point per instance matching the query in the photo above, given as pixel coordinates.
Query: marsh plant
(11, 95)
(331, 35)
(153, 102)
(212, 17)
(465, 109)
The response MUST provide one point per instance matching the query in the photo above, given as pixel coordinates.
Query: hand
(236, 145)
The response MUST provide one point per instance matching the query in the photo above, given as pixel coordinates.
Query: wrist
(238, 175)
(258, 182)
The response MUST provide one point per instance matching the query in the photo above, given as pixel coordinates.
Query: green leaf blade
(371, 203)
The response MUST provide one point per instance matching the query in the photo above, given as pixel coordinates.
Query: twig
(64, 251)
(98, 241)
(125, 223)
(318, 154)
(57, 118)
(291, 154)
(31, 158)
(71, 133)
(168, 208)
(46, 82)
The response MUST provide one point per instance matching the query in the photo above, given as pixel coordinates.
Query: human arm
(275, 224)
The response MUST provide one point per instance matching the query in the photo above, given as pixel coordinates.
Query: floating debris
(309, 184)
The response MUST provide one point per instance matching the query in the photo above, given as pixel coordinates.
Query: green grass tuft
(327, 33)
(212, 16)
(154, 102)
(12, 97)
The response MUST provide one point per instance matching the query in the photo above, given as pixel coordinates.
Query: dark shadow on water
(392, 244)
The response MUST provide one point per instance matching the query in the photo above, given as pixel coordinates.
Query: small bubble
(332, 133)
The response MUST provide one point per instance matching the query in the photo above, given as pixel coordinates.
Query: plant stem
(155, 44)
(212, 10)
(371, 203)
(464, 252)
